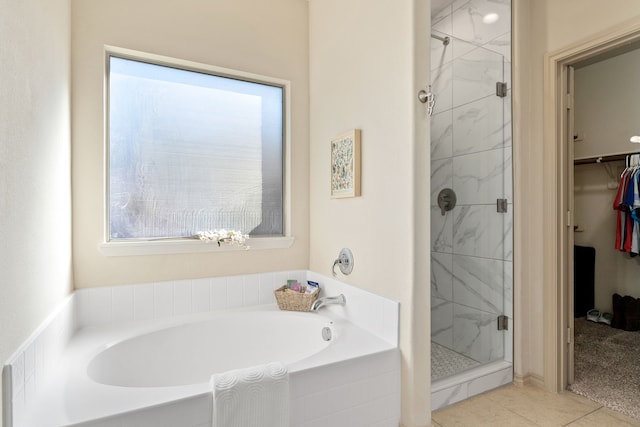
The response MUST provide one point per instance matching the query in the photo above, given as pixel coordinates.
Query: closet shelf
(602, 159)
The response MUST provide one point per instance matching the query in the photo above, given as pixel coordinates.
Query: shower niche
(472, 243)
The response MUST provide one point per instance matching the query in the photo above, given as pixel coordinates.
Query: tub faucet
(321, 302)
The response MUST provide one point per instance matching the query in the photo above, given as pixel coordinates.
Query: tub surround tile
(364, 391)
(104, 305)
(251, 290)
(339, 419)
(369, 311)
(302, 414)
(122, 304)
(187, 412)
(235, 291)
(219, 293)
(280, 278)
(143, 301)
(267, 286)
(163, 299)
(201, 295)
(26, 372)
(30, 365)
(184, 413)
(17, 374)
(182, 297)
(100, 304)
(302, 384)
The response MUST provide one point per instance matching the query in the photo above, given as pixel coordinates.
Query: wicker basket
(293, 301)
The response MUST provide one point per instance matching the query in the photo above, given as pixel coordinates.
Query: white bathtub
(156, 373)
(190, 353)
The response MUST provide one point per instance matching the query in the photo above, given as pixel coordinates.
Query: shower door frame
(558, 203)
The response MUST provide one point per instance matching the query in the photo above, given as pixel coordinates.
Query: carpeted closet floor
(607, 366)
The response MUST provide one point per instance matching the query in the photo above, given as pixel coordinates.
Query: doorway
(559, 230)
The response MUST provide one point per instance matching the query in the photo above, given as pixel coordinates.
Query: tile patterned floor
(514, 406)
(445, 362)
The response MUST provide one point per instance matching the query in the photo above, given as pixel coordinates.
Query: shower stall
(471, 198)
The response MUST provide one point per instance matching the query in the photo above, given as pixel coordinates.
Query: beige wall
(370, 64)
(362, 66)
(35, 201)
(607, 105)
(551, 25)
(267, 38)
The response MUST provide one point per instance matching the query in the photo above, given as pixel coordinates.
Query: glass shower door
(471, 265)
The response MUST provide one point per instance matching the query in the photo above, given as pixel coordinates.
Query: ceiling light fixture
(490, 18)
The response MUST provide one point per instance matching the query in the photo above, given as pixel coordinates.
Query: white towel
(252, 397)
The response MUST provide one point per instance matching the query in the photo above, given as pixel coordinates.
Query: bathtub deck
(355, 359)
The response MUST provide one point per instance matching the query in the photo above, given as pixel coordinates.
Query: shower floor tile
(445, 362)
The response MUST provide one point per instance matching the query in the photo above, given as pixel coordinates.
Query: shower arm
(445, 40)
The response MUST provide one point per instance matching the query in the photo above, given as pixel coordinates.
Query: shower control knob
(446, 200)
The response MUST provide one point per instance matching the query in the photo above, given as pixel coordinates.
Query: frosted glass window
(190, 151)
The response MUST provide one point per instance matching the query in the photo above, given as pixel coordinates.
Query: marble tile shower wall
(471, 278)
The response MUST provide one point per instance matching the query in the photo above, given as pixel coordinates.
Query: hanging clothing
(627, 207)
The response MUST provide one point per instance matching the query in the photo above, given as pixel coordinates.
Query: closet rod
(603, 159)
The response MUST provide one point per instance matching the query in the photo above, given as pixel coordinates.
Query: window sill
(188, 246)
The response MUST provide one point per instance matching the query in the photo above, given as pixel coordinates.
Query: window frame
(150, 246)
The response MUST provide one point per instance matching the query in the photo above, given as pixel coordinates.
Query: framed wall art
(345, 165)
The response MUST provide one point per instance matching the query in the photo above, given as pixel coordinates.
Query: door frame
(557, 209)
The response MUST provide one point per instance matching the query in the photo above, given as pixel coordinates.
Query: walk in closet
(606, 233)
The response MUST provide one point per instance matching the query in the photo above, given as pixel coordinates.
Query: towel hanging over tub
(251, 397)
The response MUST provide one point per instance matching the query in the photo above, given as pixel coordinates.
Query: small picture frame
(345, 165)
